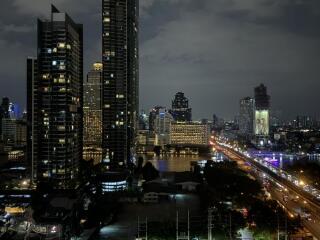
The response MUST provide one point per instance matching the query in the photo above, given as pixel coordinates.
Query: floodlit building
(92, 114)
(189, 133)
(262, 112)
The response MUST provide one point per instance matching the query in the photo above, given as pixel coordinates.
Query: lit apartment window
(106, 19)
(61, 45)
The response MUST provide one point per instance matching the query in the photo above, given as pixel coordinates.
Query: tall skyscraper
(262, 111)
(4, 114)
(180, 110)
(154, 112)
(162, 126)
(56, 89)
(120, 78)
(32, 100)
(246, 118)
(92, 114)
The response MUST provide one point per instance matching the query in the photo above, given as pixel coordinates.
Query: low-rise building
(183, 133)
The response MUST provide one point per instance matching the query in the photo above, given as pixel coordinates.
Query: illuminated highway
(294, 195)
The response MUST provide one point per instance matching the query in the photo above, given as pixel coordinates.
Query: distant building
(262, 111)
(162, 127)
(305, 122)
(4, 111)
(180, 110)
(154, 112)
(9, 129)
(57, 100)
(189, 133)
(143, 121)
(92, 114)
(246, 118)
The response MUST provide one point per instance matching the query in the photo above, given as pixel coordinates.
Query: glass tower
(57, 99)
(120, 79)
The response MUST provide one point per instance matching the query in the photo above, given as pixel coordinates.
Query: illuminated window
(62, 141)
(61, 45)
(54, 63)
(106, 19)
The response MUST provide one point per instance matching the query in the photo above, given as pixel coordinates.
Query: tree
(149, 172)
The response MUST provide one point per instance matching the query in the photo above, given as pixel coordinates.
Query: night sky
(216, 51)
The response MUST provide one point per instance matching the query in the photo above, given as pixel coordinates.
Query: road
(295, 199)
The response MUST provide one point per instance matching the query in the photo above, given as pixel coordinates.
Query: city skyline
(287, 30)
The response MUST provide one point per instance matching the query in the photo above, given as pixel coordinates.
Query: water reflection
(174, 163)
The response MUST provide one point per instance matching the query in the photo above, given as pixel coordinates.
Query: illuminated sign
(262, 122)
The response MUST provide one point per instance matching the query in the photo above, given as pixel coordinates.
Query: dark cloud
(215, 51)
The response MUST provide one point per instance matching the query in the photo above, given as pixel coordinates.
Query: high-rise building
(180, 110)
(246, 118)
(120, 79)
(5, 106)
(154, 112)
(57, 98)
(162, 125)
(262, 111)
(305, 121)
(92, 114)
(4, 112)
(32, 100)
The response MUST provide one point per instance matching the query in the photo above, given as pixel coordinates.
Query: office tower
(9, 129)
(5, 106)
(120, 79)
(246, 118)
(143, 121)
(180, 108)
(4, 112)
(56, 89)
(162, 125)
(154, 112)
(92, 114)
(188, 133)
(262, 111)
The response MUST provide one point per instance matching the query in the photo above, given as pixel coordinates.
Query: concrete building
(92, 114)
(246, 118)
(189, 133)
(56, 122)
(162, 125)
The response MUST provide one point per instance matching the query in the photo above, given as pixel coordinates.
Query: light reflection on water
(174, 163)
(281, 160)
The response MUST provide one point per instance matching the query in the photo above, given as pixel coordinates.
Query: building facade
(120, 57)
(262, 111)
(246, 117)
(92, 114)
(189, 133)
(162, 128)
(57, 99)
(180, 110)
